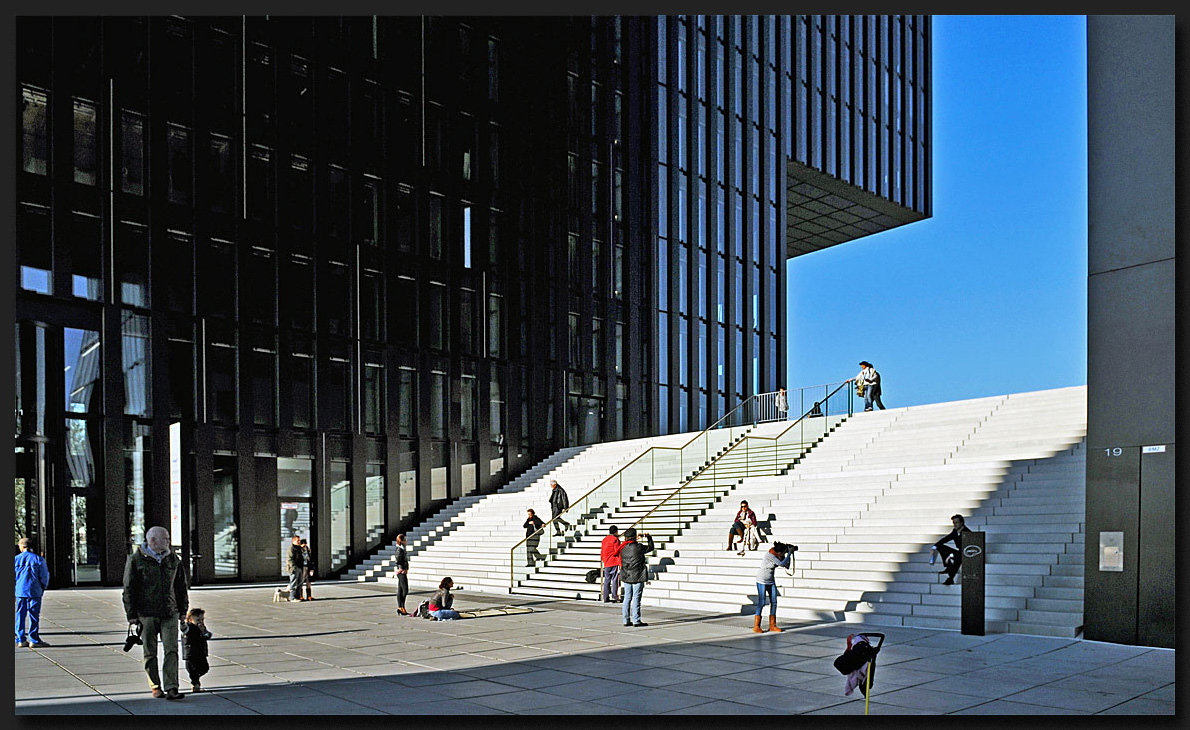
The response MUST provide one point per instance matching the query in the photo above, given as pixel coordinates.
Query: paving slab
(349, 654)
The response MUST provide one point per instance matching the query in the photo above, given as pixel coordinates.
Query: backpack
(593, 575)
(422, 610)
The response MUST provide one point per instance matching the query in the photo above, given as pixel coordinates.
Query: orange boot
(772, 623)
(756, 625)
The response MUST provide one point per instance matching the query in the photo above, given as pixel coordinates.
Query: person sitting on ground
(743, 519)
(766, 583)
(952, 557)
(441, 602)
(194, 647)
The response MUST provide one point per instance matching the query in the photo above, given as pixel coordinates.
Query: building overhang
(823, 211)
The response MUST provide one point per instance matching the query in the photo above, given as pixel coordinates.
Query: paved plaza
(349, 653)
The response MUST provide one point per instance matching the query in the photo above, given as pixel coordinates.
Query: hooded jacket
(152, 588)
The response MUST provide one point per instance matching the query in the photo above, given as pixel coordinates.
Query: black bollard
(972, 546)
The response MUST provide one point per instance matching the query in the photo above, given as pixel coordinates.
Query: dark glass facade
(320, 276)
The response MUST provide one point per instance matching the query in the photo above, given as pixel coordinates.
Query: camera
(133, 637)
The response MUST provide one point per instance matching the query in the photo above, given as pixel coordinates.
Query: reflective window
(82, 356)
(180, 165)
(134, 346)
(336, 385)
(439, 404)
(132, 153)
(340, 500)
(468, 396)
(301, 390)
(227, 543)
(407, 402)
(374, 497)
(33, 118)
(138, 457)
(373, 397)
(84, 142)
(264, 386)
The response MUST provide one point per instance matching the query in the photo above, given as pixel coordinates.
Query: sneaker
(640, 623)
(627, 623)
(174, 694)
(22, 643)
(37, 644)
(158, 692)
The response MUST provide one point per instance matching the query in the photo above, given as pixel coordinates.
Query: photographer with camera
(155, 603)
(779, 554)
(634, 571)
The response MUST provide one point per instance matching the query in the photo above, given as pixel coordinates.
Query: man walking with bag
(155, 600)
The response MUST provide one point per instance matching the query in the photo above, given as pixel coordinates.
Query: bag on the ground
(593, 575)
(856, 656)
(422, 610)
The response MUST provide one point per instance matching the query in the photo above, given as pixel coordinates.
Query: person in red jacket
(609, 557)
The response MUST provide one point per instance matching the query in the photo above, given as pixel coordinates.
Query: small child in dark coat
(194, 647)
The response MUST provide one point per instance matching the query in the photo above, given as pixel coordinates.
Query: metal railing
(753, 456)
(657, 466)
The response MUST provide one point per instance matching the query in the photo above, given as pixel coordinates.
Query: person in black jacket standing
(559, 503)
(307, 571)
(533, 527)
(634, 571)
(296, 565)
(402, 575)
(952, 557)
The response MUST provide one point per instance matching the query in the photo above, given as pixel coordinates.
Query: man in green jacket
(155, 601)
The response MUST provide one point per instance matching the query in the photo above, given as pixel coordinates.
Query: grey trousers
(165, 627)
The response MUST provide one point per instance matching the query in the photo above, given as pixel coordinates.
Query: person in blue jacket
(33, 576)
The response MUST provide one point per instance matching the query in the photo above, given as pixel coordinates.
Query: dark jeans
(402, 589)
(197, 667)
(872, 395)
(951, 559)
(533, 555)
(558, 522)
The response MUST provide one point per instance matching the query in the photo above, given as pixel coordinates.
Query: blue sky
(989, 296)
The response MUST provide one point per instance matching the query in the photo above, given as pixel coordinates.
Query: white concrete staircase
(866, 503)
(563, 576)
(470, 539)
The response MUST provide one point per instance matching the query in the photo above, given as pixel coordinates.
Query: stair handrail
(721, 423)
(815, 411)
(760, 402)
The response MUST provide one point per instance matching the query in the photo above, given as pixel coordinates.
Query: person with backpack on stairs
(766, 584)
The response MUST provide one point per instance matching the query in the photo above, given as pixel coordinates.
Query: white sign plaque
(1111, 552)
